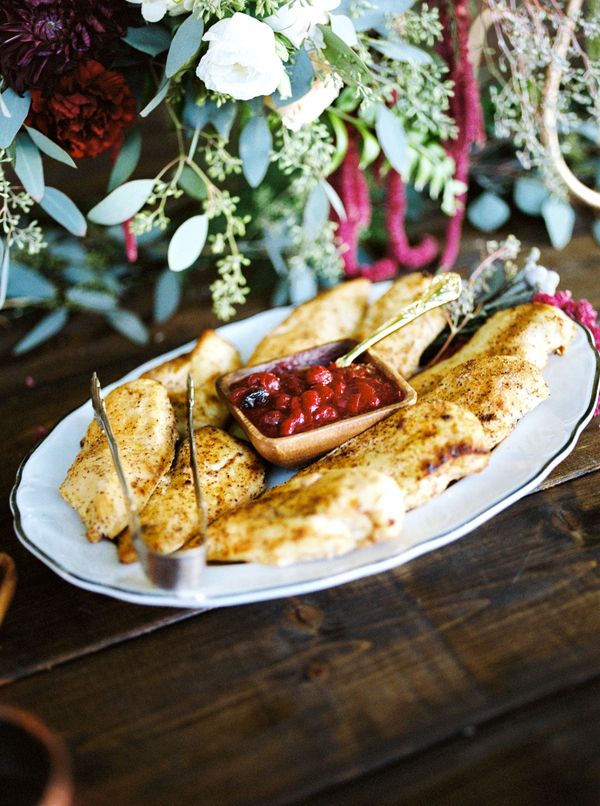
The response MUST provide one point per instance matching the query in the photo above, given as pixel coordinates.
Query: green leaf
(127, 161)
(4, 269)
(488, 212)
(343, 58)
(392, 139)
(559, 218)
(315, 212)
(302, 284)
(301, 73)
(91, 300)
(17, 107)
(341, 141)
(150, 39)
(255, 147)
(49, 147)
(28, 166)
(62, 209)
(530, 194)
(187, 243)
(160, 96)
(122, 203)
(186, 43)
(25, 282)
(370, 147)
(129, 325)
(46, 328)
(192, 184)
(167, 295)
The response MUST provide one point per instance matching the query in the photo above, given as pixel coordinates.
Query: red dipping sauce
(290, 400)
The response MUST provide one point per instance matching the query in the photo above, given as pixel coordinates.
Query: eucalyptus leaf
(255, 147)
(150, 39)
(302, 284)
(18, 107)
(196, 116)
(488, 212)
(122, 203)
(129, 325)
(91, 300)
(334, 200)
(49, 147)
(187, 243)
(315, 212)
(274, 252)
(186, 43)
(160, 96)
(167, 295)
(342, 26)
(28, 166)
(281, 294)
(559, 218)
(25, 282)
(376, 14)
(127, 160)
(392, 139)
(401, 51)
(596, 230)
(47, 327)
(223, 118)
(192, 184)
(301, 73)
(530, 194)
(60, 207)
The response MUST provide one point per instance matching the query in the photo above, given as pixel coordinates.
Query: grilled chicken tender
(230, 474)
(144, 426)
(403, 349)
(532, 332)
(212, 356)
(423, 448)
(332, 315)
(499, 390)
(318, 515)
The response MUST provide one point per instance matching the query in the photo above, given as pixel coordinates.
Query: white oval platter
(53, 532)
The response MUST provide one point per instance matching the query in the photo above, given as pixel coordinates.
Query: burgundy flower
(87, 112)
(581, 311)
(41, 40)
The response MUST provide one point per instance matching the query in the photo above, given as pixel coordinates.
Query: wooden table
(471, 675)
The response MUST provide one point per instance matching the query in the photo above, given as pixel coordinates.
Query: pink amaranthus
(581, 311)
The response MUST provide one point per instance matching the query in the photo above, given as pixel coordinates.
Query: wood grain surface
(470, 676)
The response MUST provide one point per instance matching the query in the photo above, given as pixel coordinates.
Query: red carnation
(87, 112)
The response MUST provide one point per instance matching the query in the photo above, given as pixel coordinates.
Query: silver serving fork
(180, 572)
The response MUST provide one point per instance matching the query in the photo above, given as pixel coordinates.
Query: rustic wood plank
(545, 753)
(278, 701)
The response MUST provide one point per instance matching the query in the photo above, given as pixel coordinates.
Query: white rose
(298, 19)
(541, 279)
(321, 95)
(155, 10)
(242, 60)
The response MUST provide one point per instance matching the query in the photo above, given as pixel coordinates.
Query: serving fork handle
(182, 571)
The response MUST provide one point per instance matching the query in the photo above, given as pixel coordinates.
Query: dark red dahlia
(41, 40)
(87, 112)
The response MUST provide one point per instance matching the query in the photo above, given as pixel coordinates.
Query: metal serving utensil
(180, 572)
(443, 289)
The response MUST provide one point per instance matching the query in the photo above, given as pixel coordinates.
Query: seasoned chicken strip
(212, 356)
(532, 332)
(310, 517)
(144, 426)
(332, 315)
(423, 448)
(230, 472)
(404, 348)
(499, 390)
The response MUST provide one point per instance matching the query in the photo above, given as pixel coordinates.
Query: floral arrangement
(278, 109)
(298, 127)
